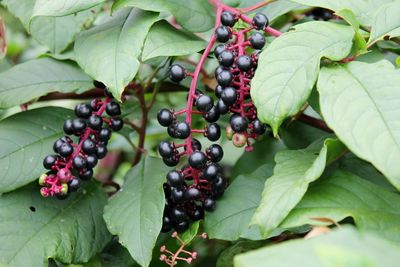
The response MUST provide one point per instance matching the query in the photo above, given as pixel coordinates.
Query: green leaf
(360, 102)
(194, 15)
(190, 233)
(40, 77)
(289, 67)
(33, 228)
(225, 259)
(61, 8)
(293, 173)
(363, 9)
(165, 40)
(109, 52)
(27, 138)
(349, 16)
(343, 195)
(386, 23)
(341, 247)
(279, 8)
(135, 213)
(231, 218)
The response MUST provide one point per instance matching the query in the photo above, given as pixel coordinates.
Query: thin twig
(320, 124)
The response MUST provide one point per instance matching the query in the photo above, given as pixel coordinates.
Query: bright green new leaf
(386, 22)
(34, 228)
(294, 171)
(27, 138)
(40, 77)
(342, 247)
(135, 213)
(190, 233)
(165, 40)
(109, 52)
(288, 68)
(360, 102)
(343, 195)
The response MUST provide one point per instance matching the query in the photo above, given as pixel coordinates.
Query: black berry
(223, 34)
(238, 123)
(197, 160)
(83, 110)
(213, 132)
(260, 21)
(204, 103)
(228, 19)
(176, 73)
(257, 40)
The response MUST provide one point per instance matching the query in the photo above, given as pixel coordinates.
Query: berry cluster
(74, 162)
(320, 14)
(234, 74)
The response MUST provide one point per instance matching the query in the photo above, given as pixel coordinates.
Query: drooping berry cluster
(74, 162)
(234, 74)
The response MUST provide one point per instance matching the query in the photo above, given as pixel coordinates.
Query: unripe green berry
(42, 179)
(239, 140)
(229, 132)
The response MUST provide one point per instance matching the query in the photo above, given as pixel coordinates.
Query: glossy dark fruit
(99, 84)
(101, 151)
(196, 145)
(209, 204)
(212, 171)
(182, 130)
(219, 183)
(259, 127)
(175, 178)
(212, 115)
(167, 190)
(89, 147)
(222, 107)
(79, 162)
(218, 49)
(197, 160)
(105, 134)
(228, 19)
(213, 132)
(78, 125)
(57, 144)
(224, 78)
(176, 73)
(116, 124)
(257, 40)
(49, 161)
(239, 140)
(95, 122)
(95, 104)
(91, 161)
(182, 226)
(167, 225)
(196, 214)
(65, 150)
(166, 149)
(218, 70)
(238, 123)
(177, 194)
(215, 152)
(83, 110)
(86, 174)
(226, 58)
(244, 63)
(67, 127)
(192, 194)
(260, 21)
(218, 91)
(74, 184)
(165, 117)
(204, 103)
(223, 34)
(171, 130)
(113, 109)
(229, 96)
(171, 161)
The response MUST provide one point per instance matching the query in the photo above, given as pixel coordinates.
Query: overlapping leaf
(386, 22)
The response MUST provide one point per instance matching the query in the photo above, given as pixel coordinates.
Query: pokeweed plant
(270, 130)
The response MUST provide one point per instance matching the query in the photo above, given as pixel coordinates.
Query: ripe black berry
(65, 150)
(182, 226)
(213, 132)
(74, 184)
(260, 21)
(104, 134)
(212, 115)
(204, 103)
(218, 70)
(86, 174)
(259, 127)
(83, 111)
(166, 149)
(215, 152)
(171, 161)
(196, 214)
(228, 19)
(167, 225)
(229, 96)
(224, 78)
(176, 73)
(89, 147)
(175, 178)
(79, 162)
(78, 125)
(226, 58)
(211, 171)
(49, 161)
(68, 129)
(238, 123)
(223, 34)
(113, 109)
(219, 183)
(165, 117)
(116, 124)
(209, 204)
(57, 144)
(99, 84)
(197, 160)
(222, 107)
(177, 194)
(218, 49)
(244, 63)
(182, 130)
(101, 151)
(192, 194)
(95, 122)
(196, 145)
(257, 40)
(91, 161)
(177, 214)
(218, 91)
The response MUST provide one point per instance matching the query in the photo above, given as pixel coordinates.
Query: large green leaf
(279, 8)
(62, 7)
(343, 247)
(194, 15)
(135, 213)
(109, 52)
(231, 218)
(165, 40)
(386, 22)
(344, 194)
(33, 228)
(27, 81)
(288, 68)
(360, 102)
(363, 9)
(294, 171)
(25, 139)
(225, 259)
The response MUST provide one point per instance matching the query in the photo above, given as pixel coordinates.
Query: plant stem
(320, 124)
(143, 126)
(256, 6)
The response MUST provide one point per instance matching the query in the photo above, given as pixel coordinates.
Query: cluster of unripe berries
(73, 162)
